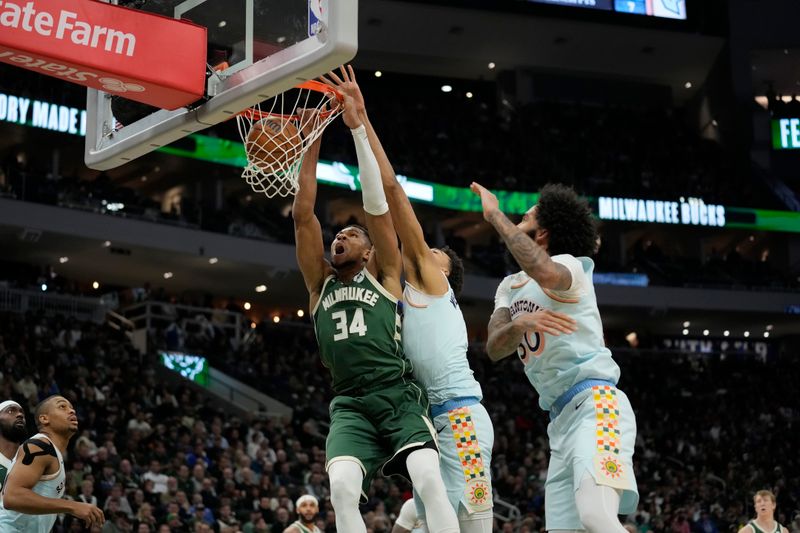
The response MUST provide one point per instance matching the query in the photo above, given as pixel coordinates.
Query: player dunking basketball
(435, 340)
(379, 418)
(34, 489)
(548, 313)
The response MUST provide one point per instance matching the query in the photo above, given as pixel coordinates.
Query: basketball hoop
(273, 138)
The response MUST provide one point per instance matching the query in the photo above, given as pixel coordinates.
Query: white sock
(598, 506)
(346, 478)
(477, 522)
(423, 467)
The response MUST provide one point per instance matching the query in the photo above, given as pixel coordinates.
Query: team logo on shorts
(612, 468)
(478, 492)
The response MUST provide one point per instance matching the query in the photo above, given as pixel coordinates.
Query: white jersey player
(547, 313)
(34, 489)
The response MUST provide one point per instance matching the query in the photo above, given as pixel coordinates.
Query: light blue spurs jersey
(554, 364)
(435, 340)
(51, 486)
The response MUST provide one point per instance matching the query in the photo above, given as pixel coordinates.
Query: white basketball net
(275, 172)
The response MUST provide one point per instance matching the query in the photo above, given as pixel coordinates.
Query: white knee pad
(346, 477)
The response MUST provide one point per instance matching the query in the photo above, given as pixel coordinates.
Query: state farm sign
(152, 59)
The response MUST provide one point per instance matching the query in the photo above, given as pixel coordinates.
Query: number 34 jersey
(358, 328)
(553, 364)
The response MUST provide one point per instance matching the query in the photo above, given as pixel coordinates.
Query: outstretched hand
(353, 99)
(489, 201)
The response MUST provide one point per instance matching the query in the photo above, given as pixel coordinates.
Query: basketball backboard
(256, 50)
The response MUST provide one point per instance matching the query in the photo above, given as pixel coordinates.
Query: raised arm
(386, 259)
(421, 268)
(532, 258)
(35, 459)
(307, 230)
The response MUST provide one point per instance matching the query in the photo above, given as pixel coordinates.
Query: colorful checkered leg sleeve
(478, 491)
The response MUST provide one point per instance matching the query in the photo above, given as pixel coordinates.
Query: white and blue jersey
(555, 364)
(435, 341)
(50, 486)
(587, 438)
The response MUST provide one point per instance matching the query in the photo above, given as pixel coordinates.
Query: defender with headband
(307, 507)
(12, 433)
(548, 314)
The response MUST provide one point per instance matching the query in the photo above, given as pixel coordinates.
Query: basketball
(273, 144)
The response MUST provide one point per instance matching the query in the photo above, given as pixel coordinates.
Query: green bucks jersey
(358, 331)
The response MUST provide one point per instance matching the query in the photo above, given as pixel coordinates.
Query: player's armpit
(503, 337)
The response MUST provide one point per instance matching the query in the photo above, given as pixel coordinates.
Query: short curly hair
(456, 276)
(568, 219)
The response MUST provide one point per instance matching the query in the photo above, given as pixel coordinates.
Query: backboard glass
(256, 48)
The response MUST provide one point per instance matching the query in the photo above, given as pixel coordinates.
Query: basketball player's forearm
(306, 197)
(26, 501)
(405, 219)
(503, 340)
(532, 258)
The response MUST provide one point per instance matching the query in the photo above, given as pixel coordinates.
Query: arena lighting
(106, 244)
(491, 65)
(63, 260)
(301, 313)
(378, 73)
(252, 325)
(766, 334)
(276, 319)
(213, 261)
(469, 94)
(280, 39)
(687, 324)
(688, 85)
(167, 275)
(746, 334)
(769, 327)
(726, 333)
(685, 331)
(447, 88)
(44, 287)
(222, 24)
(95, 285)
(261, 288)
(705, 332)
(247, 306)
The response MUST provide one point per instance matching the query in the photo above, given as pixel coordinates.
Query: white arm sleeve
(370, 174)
(580, 281)
(502, 298)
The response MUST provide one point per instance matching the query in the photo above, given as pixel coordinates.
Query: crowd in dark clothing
(712, 431)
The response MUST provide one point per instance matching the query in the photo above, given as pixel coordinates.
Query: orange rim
(311, 85)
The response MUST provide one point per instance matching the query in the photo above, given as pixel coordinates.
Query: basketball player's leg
(598, 471)
(401, 414)
(466, 471)
(354, 455)
(346, 477)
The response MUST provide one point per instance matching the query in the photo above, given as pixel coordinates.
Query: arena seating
(156, 454)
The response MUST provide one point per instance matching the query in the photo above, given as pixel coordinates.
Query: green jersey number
(357, 326)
